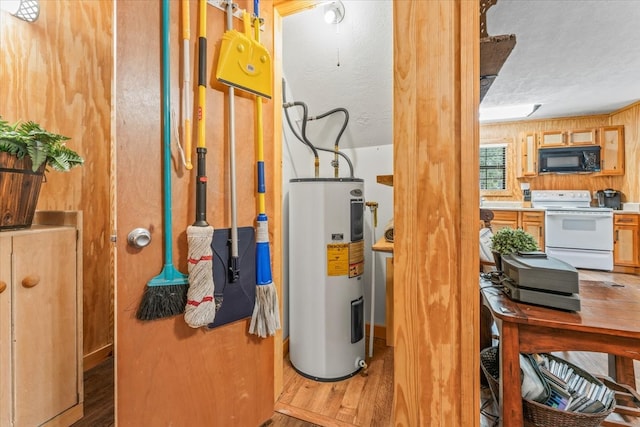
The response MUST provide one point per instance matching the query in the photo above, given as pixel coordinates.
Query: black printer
(534, 277)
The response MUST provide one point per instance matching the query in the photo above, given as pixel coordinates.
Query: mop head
(265, 320)
(200, 307)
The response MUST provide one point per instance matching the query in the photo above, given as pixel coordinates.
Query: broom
(200, 308)
(265, 319)
(165, 294)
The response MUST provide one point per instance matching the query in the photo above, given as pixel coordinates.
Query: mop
(166, 293)
(200, 309)
(266, 313)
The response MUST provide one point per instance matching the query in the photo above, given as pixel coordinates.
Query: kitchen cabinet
(41, 376)
(533, 223)
(529, 155)
(625, 239)
(582, 137)
(530, 221)
(553, 138)
(612, 150)
(503, 219)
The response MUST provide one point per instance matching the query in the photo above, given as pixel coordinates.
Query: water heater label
(338, 259)
(356, 258)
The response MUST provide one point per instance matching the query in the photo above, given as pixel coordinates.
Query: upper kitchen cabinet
(553, 138)
(582, 137)
(558, 138)
(612, 150)
(529, 154)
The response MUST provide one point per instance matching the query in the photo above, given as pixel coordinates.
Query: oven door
(576, 229)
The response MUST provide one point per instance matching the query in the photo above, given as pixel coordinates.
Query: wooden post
(436, 202)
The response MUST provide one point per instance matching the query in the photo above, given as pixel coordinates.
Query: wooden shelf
(385, 179)
(382, 245)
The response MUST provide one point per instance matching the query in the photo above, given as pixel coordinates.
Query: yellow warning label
(356, 258)
(338, 259)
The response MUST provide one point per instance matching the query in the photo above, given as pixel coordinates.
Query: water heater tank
(326, 263)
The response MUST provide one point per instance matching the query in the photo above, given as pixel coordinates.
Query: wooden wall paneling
(166, 372)
(436, 94)
(57, 71)
(630, 118)
(515, 131)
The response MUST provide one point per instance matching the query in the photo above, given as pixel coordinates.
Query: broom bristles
(200, 307)
(162, 301)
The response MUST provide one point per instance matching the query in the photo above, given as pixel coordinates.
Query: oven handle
(579, 215)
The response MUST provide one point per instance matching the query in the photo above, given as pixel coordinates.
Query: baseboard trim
(96, 357)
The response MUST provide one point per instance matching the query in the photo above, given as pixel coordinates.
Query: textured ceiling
(574, 57)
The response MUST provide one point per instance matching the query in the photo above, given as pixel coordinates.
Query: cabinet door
(582, 137)
(533, 223)
(44, 321)
(553, 138)
(625, 244)
(503, 219)
(612, 150)
(529, 155)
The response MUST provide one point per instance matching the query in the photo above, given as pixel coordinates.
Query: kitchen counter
(508, 206)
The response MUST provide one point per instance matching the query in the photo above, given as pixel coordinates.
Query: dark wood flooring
(361, 401)
(98, 396)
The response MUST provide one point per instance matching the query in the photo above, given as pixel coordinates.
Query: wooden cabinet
(625, 240)
(529, 155)
(582, 137)
(41, 326)
(530, 221)
(612, 150)
(533, 223)
(553, 138)
(503, 219)
(559, 138)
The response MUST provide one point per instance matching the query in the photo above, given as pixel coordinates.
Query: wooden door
(166, 372)
(45, 354)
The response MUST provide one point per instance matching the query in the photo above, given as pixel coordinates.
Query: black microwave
(569, 159)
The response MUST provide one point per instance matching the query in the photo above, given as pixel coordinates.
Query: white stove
(575, 232)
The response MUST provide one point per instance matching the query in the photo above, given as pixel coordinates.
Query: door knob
(139, 238)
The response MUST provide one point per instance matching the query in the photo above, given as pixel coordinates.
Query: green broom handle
(166, 137)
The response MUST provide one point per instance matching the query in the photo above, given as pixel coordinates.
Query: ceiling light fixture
(508, 112)
(27, 10)
(334, 12)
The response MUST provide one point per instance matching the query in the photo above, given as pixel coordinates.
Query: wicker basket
(538, 414)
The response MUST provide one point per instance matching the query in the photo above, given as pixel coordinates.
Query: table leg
(510, 390)
(621, 370)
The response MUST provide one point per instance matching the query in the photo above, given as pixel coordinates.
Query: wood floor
(364, 400)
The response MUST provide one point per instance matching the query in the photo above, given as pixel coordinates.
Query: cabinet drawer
(532, 216)
(505, 215)
(625, 219)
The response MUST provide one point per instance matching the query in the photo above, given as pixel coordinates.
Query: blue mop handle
(166, 134)
(256, 8)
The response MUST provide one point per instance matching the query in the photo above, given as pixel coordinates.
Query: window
(493, 167)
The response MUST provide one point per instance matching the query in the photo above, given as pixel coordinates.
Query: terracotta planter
(19, 191)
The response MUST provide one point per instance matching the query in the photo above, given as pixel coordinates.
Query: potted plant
(26, 150)
(507, 241)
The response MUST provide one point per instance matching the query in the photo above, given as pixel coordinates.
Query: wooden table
(608, 322)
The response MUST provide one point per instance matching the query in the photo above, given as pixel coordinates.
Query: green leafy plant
(507, 241)
(42, 147)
